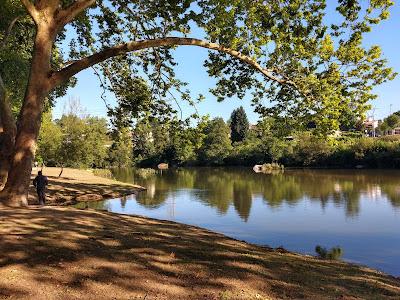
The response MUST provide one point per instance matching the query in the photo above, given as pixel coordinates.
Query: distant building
(252, 127)
(370, 125)
(394, 131)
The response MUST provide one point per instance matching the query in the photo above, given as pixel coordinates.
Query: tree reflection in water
(224, 187)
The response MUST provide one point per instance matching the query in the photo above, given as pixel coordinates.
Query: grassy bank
(79, 185)
(66, 253)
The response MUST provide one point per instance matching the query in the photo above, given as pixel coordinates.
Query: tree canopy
(216, 143)
(309, 68)
(17, 33)
(74, 141)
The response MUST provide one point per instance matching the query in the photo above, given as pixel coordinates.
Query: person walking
(40, 182)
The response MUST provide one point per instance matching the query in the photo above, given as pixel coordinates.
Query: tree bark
(15, 192)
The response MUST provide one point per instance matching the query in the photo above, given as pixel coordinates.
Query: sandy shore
(67, 253)
(79, 185)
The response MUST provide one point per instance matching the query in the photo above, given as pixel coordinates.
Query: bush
(270, 167)
(309, 151)
(105, 173)
(390, 138)
(334, 253)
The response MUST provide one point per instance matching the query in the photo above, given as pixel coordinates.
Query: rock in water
(162, 166)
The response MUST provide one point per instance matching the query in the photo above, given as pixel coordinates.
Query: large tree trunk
(15, 192)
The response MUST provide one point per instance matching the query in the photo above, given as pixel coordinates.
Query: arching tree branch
(84, 63)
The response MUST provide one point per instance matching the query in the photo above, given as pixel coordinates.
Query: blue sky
(190, 68)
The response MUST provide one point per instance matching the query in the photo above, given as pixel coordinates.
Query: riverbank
(67, 253)
(79, 185)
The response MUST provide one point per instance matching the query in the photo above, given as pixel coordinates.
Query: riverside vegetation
(87, 142)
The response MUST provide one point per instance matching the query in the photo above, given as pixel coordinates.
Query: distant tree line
(215, 142)
(83, 142)
(390, 123)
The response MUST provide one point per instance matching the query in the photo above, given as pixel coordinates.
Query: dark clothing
(40, 183)
(41, 196)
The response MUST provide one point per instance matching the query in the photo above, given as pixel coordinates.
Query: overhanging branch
(84, 63)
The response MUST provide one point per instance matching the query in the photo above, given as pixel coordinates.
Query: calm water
(356, 210)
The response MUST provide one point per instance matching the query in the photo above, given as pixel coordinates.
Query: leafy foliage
(49, 142)
(121, 151)
(318, 70)
(73, 146)
(217, 144)
(266, 142)
(73, 141)
(16, 48)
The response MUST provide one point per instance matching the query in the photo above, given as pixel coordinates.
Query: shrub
(273, 166)
(310, 151)
(105, 173)
(334, 253)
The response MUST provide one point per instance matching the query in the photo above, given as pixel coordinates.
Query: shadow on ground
(67, 191)
(65, 253)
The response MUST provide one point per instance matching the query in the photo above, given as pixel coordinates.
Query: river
(357, 210)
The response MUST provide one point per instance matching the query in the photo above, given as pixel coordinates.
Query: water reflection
(221, 188)
(359, 210)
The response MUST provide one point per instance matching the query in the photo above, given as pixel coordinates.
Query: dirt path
(66, 253)
(79, 185)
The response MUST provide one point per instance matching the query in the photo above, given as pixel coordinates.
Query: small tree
(392, 121)
(275, 148)
(84, 141)
(49, 142)
(217, 145)
(239, 125)
(96, 141)
(383, 128)
(121, 150)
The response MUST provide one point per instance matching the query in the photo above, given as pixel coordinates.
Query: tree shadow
(87, 254)
(67, 191)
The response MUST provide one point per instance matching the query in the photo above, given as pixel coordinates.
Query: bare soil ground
(67, 253)
(79, 185)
